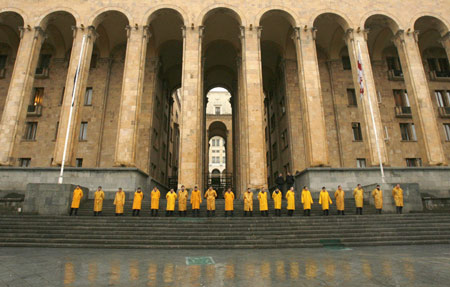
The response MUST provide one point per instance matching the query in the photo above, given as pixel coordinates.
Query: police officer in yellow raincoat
(99, 195)
(248, 202)
(76, 198)
(325, 200)
(277, 199)
(119, 202)
(196, 200)
(155, 195)
(171, 197)
(210, 196)
(182, 201)
(137, 201)
(358, 194)
(306, 201)
(229, 199)
(263, 206)
(339, 196)
(397, 194)
(290, 196)
(377, 195)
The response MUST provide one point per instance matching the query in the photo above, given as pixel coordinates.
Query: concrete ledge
(412, 200)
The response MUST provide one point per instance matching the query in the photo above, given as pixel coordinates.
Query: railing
(34, 110)
(219, 182)
(41, 73)
(440, 76)
(403, 112)
(395, 75)
(173, 182)
(444, 112)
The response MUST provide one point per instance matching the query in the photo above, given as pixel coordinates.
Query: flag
(360, 76)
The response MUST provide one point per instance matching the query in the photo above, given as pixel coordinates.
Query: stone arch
(344, 21)
(393, 22)
(291, 15)
(97, 18)
(217, 129)
(150, 14)
(442, 27)
(235, 12)
(43, 21)
(21, 13)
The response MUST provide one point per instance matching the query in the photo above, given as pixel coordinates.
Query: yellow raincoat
(155, 196)
(171, 197)
(325, 200)
(182, 200)
(358, 194)
(290, 196)
(339, 196)
(263, 206)
(397, 193)
(196, 199)
(210, 196)
(77, 196)
(119, 201)
(277, 198)
(99, 195)
(229, 197)
(248, 201)
(377, 195)
(137, 200)
(306, 199)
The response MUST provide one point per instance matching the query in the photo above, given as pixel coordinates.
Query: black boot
(400, 209)
(342, 212)
(138, 211)
(226, 213)
(245, 213)
(213, 213)
(309, 212)
(326, 212)
(323, 212)
(76, 211)
(134, 212)
(207, 213)
(232, 213)
(95, 213)
(304, 212)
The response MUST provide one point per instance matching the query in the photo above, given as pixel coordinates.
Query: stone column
(79, 33)
(311, 96)
(254, 105)
(419, 92)
(370, 94)
(19, 89)
(445, 41)
(190, 168)
(130, 101)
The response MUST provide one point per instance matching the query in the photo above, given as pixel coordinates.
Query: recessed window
(38, 95)
(43, 64)
(394, 65)
(357, 134)
(282, 106)
(24, 162)
(440, 66)
(61, 100)
(284, 138)
(401, 98)
(56, 130)
(346, 64)
(442, 98)
(83, 131)
(217, 111)
(408, 132)
(79, 162)
(3, 59)
(447, 132)
(413, 162)
(360, 162)
(94, 59)
(223, 159)
(30, 131)
(274, 151)
(351, 96)
(88, 97)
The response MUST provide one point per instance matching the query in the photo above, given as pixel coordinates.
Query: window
(284, 138)
(30, 131)
(56, 130)
(79, 162)
(83, 131)
(62, 96)
(447, 132)
(401, 98)
(408, 132)
(38, 94)
(413, 162)
(164, 151)
(217, 111)
(439, 66)
(357, 135)
(171, 134)
(346, 64)
(360, 162)
(351, 96)
(44, 62)
(170, 159)
(88, 97)
(442, 98)
(155, 139)
(272, 122)
(274, 151)
(267, 158)
(282, 106)
(394, 65)
(24, 162)
(3, 59)
(94, 59)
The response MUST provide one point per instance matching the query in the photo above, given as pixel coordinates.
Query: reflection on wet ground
(369, 266)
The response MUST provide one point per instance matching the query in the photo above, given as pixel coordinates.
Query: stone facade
(290, 67)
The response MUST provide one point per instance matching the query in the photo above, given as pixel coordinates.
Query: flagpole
(373, 119)
(75, 83)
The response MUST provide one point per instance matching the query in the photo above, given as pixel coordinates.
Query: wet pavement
(364, 266)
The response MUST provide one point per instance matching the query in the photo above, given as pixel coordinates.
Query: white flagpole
(75, 83)
(373, 118)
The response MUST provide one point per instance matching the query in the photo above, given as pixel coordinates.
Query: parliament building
(140, 72)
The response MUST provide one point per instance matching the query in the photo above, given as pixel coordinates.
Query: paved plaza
(365, 266)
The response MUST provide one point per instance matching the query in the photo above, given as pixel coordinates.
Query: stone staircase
(86, 209)
(222, 233)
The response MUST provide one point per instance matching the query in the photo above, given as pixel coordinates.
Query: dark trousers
(74, 211)
(250, 213)
(379, 211)
(97, 213)
(265, 213)
(306, 212)
(325, 212)
(169, 212)
(136, 212)
(340, 212)
(399, 209)
(182, 213)
(290, 212)
(196, 212)
(359, 210)
(154, 212)
(210, 213)
(231, 213)
(119, 214)
(277, 212)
